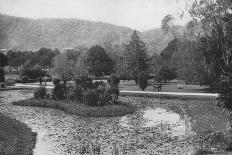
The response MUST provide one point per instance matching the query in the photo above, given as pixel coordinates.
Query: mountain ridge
(31, 34)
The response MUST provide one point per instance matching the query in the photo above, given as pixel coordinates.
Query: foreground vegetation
(15, 137)
(79, 109)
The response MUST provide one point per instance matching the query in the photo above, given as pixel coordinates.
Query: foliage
(73, 92)
(113, 80)
(213, 25)
(98, 62)
(58, 92)
(56, 81)
(225, 91)
(42, 58)
(91, 97)
(108, 95)
(2, 85)
(3, 62)
(136, 55)
(40, 93)
(142, 80)
(70, 64)
(63, 67)
(165, 72)
(25, 79)
(33, 73)
(167, 25)
(83, 82)
(10, 82)
(189, 63)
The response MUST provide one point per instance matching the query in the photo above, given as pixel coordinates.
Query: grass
(169, 87)
(79, 109)
(170, 96)
(15, 137)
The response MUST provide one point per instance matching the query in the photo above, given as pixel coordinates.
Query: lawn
(168, 87)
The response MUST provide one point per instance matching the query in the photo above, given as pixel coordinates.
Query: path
(143, 93)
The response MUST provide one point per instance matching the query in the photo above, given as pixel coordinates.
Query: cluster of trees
(203, 53)
(29, 60)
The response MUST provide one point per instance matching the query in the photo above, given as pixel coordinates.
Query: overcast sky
(137, 14)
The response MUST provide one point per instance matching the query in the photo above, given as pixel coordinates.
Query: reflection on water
(159, 117)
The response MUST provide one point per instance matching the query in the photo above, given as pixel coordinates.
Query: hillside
(32, 34)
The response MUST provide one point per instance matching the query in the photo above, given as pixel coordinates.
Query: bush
(2, 85)
(91, 97)
(142, 81)
(96, 84)
(113, 80)
(84, 82)
(73, 93)
(10, 82)
(40, 93)
(40, 79)
(33, 73)
(225, 91)
(56, 82)
(25, 79)
(108, 94)
(58, 92)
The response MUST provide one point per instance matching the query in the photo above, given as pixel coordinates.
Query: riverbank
(15, 137)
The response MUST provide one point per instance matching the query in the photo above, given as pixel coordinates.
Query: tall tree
(213, 20)
(136, 55)
(98, 62)
(3, 62)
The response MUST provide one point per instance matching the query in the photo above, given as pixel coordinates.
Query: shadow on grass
(15, 137)
(79, 109)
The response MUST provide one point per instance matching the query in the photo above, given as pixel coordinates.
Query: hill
(31, 34)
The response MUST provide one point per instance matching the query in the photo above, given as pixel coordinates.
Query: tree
(142, 80)
(213, 22)
(3, 62)
(98, 62)
(70, 65)
(136, 56)
(63, 67)
(165, 72)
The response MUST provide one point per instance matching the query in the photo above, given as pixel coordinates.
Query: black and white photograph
(115, 77)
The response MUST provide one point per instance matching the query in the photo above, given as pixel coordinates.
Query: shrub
(73, 93)
(33, 73)
(10, 82)
(84, 82)
(56, 82)
(58, 92)
(108, 94)
(113, 80)
(2, 85)
(40, 93)
(91, 97)
(142, 80)
(25, 79)
(40, 79)
(225, 91)
(96, 84)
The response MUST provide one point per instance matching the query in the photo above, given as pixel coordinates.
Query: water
(158, 127)
(162, 117)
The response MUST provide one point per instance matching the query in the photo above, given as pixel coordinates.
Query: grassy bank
(79, 108)
(15, 137)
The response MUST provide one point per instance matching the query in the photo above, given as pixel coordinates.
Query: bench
(157, 87)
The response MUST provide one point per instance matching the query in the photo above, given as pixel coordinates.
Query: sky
(136, 14)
